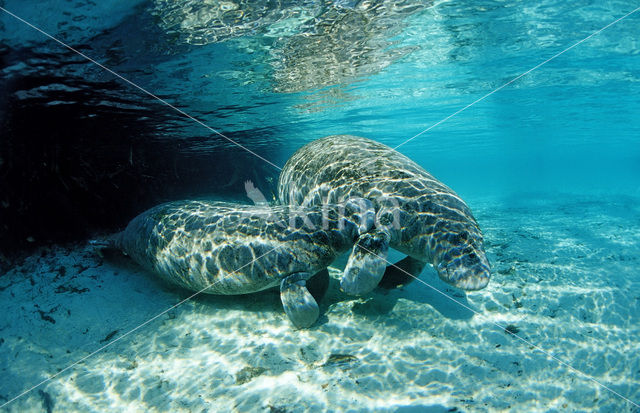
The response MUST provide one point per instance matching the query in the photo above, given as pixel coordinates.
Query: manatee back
(231, 248)
(201, 245)
(337, 167)
(410, 203)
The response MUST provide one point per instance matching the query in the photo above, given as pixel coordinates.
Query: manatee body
(415, 213)
(226, 248)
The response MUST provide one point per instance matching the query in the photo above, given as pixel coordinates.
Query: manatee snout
(470, 271)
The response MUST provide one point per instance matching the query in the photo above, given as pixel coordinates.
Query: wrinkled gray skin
(415, 213)
(226, 248)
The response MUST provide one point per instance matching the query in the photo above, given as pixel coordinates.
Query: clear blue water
(570, 125)
(550, 163)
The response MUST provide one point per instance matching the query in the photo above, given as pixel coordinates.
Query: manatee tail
(109, 242)
(102, 243)
(107, 247)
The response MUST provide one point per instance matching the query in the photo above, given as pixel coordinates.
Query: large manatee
(415, 213)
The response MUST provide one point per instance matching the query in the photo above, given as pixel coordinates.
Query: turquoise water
(570, 125)
(550, 165)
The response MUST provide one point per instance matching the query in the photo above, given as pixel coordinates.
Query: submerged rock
(339, 360)
(247, 374)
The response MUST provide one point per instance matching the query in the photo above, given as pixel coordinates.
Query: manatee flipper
(366, 264)
(299, 305)
(318, 284)
(396, 274)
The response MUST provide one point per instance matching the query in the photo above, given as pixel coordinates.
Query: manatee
(226, 248)
(415, 213)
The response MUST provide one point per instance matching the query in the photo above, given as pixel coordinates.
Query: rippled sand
(565, 280)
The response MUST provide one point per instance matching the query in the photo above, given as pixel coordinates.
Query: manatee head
(459, 257)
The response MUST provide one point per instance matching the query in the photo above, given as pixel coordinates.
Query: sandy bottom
(566, 280)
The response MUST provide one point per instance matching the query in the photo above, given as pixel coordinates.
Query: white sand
(565, 274)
